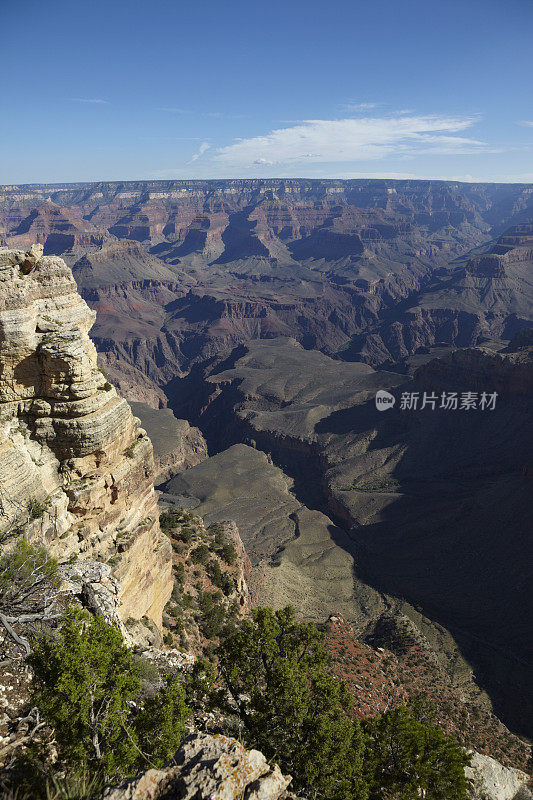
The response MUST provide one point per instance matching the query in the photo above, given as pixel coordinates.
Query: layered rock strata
(76, 467)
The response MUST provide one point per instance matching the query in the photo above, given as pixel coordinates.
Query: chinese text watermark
(448, 401)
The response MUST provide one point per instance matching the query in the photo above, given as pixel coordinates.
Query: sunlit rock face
(76, 468)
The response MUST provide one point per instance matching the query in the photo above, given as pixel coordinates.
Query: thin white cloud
(359, 106)
(397, 176)
(201, 150)
(174, 110)
(91, 101)
(352, 140)
(527, 122)
(222, 115)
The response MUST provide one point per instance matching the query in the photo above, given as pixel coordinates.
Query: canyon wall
(76, 467)
(181, 272)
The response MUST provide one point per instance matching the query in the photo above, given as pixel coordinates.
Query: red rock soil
(379, 679)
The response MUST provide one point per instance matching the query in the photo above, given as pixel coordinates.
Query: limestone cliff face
(76, 468)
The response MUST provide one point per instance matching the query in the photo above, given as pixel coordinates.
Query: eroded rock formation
(207, 767)
(183, 271)
(76, 467)
(492, 781)
(177, 445)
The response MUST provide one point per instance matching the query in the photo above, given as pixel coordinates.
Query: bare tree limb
(34, 718)
(14, 635)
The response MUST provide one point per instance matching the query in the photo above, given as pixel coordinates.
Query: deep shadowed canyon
(268, 313)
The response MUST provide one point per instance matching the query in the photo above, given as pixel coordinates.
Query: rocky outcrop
(97, 590)
(208, 767)
(508, 373)
(204, 768)
(76, 467)
(177, 445)
(58, 229)
(220, 577)
(489, 298)
(489, 780)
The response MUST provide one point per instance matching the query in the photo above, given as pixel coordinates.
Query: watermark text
(447, 401)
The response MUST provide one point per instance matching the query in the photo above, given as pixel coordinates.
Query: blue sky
(124, 90)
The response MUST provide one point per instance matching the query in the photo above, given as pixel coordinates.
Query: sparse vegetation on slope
(276, 672)
(206, 595)
(87, 686)
(384, 677)
(269, 673)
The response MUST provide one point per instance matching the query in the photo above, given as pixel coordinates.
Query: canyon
(250, 323)
(435, 502)
(183, 271)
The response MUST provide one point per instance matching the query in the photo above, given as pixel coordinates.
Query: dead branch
(14, 635)
(33, 717)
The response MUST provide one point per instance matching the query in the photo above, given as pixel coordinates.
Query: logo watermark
(384, 400)
(447, 401)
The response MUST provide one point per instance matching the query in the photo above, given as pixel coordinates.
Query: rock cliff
(489, 297)
(76, 467)
(177, 445)
(489, 780)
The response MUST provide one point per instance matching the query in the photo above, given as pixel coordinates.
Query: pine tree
(291, 708)
(160, 724)
(84, 683)
(406, 758)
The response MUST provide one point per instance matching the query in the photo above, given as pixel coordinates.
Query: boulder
(207, 768)
(490, 780)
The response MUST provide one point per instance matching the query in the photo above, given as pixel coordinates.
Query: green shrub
(227, 553)
(130, 450)
(168, 520)
(219, 578)
(217, 531)
(176, 595)
(200, 554)
(36, 509)
(147, 670)
(34, 779)
(74, 786)
(27, 576)
(274, 669)
(223, 548)
(160, 726)
(212, 615)
(405, 758)
(84, 683)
